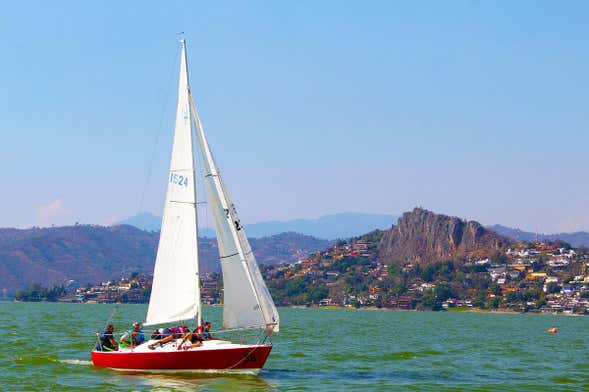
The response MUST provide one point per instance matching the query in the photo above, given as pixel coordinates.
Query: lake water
(45, 346)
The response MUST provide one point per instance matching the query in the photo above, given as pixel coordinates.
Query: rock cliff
(422, 236)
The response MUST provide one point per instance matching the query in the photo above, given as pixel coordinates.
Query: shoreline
(338, 307)
(457, 310)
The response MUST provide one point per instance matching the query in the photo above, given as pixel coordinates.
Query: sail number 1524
(178, 179)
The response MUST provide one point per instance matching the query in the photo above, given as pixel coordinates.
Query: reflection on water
(191, 381)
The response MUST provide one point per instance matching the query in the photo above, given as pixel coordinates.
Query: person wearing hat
(134, 337)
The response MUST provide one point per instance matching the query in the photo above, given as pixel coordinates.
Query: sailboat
(175, 295)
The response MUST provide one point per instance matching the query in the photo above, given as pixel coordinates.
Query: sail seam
(234, 254)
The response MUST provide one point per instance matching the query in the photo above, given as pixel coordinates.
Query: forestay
(246, 300)
(175, 293)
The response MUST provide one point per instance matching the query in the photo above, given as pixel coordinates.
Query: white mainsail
(175, 294)
(246, 300)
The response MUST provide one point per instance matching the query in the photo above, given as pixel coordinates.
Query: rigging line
(200, 181)
(244, 358)
(158, 132)
(112, 315)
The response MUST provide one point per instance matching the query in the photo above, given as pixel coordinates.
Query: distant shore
(339, 307)
(451, 310)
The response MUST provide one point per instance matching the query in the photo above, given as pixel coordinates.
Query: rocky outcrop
(422, 236)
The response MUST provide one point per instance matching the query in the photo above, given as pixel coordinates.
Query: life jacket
(198, 331)
(138, 339)
(103, 343)
(126, 335)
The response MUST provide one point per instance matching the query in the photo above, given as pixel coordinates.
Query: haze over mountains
(330, 227)
(349, 224)
(579, 238)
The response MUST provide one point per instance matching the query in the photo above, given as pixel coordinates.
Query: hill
(88, 253)
(422, 236)
(432, 261)
(579, 238)
(343, 225)
(144, 221)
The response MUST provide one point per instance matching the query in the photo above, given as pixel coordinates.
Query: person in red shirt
(195, 337)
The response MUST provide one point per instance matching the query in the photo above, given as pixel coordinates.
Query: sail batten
(175, 294)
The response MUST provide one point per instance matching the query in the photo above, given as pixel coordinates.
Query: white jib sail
(175, 294)
(246, 300)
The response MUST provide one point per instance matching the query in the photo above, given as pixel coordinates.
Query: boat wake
(75, 362)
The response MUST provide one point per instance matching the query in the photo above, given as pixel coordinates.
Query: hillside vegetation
(90, 254)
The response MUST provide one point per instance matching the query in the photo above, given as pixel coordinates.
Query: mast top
(181, 37)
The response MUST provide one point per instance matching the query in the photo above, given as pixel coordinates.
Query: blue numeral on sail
(178, 179)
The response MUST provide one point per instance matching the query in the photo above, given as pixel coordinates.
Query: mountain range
(90, 253)
(576, 239)
(331, 227)
(348, 224)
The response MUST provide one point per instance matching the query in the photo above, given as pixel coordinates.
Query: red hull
(252, 357)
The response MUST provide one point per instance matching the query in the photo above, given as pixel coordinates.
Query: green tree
(541, 302)
(553, 288)
(317, 293)
(493, 302)
(511, 296)
(442, 291)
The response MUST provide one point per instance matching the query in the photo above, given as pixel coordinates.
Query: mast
(198, 314)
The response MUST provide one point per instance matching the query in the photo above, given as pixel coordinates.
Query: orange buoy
(552, 330)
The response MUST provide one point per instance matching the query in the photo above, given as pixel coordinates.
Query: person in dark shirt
(107, 341)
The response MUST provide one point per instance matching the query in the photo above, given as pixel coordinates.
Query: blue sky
(474, 109)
